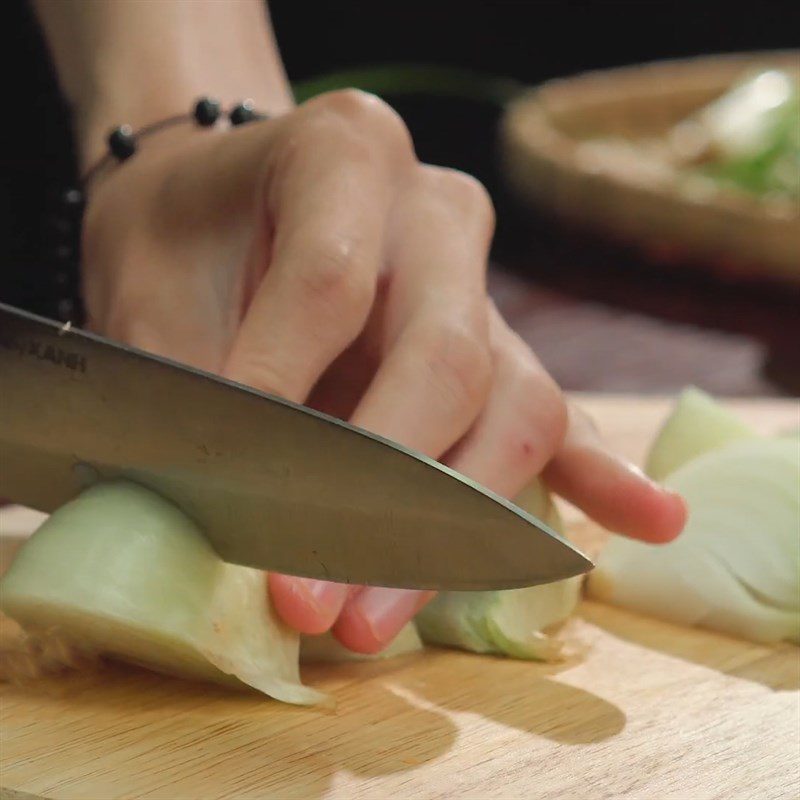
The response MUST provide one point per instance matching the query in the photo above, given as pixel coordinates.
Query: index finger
(327, 190)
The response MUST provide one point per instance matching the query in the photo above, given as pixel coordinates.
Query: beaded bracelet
(123, 143)
(123, 140)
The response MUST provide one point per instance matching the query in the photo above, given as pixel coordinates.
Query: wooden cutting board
(642, 709)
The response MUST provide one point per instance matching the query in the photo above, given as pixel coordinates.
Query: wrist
(135, 63)
(94, 124)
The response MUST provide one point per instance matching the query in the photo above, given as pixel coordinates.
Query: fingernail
(327, 598)
(681, 510)
(633, 469)
(387, 611)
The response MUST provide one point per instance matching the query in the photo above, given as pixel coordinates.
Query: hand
(313, 257)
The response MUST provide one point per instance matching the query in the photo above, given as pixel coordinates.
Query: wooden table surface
(640, 709)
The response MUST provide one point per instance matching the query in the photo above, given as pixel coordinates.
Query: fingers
(436, 371)
(523, 423)
(330, 179)
(435, 377)
(329, 182)
(309, 606)
(609, 489)
(374, 616)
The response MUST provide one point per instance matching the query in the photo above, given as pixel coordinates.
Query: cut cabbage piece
(120, 571)
(736, 566)
(697, 424)
(512, 622)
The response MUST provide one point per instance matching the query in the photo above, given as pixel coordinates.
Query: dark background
(529, 41)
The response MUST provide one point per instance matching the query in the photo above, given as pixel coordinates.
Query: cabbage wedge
(736, 566)
(513, 622)
(121, 572)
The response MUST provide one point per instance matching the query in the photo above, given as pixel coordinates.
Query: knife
(272, 484)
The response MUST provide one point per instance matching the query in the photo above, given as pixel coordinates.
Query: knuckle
(462, 191)
(334, 275)
(324, 130)
(349, 102)
(460, 362)
(366, 117)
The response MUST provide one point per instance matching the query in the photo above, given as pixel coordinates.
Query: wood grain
(641, 710)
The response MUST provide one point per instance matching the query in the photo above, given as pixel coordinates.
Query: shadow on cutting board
(738, 658)
(135, 723)
(392, 717)
(519, 694)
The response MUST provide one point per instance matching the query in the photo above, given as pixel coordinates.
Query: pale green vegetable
(697, 425)
(753, 135)
(736, 566)
(751, 119)
(514, 622)
(120, 571)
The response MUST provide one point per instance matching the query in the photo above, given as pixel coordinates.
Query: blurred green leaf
(415, 79)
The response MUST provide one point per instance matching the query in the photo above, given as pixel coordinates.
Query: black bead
(73, 199)
(244, 112)
(122, 142)
(57, 227)
(63, 252)
(207, 111)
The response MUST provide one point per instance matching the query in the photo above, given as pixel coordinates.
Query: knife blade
(272, 484)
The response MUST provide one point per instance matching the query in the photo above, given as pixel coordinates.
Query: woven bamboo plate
(549, 159)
